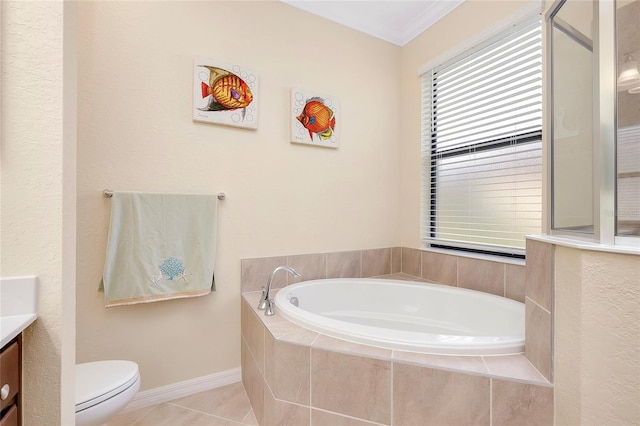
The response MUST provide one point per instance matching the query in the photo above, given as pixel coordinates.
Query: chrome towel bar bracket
(108, 193)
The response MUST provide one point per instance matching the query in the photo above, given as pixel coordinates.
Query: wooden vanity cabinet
(10, 377)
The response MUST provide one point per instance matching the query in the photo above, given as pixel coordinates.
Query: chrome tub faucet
(266, 303)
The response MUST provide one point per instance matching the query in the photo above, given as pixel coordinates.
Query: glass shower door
(573, 117)
(628, 128)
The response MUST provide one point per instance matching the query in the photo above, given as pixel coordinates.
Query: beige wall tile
(323, 418)
(411, 261)
(244, 317)
(446, 362)
(254, 273)
(521, 404)
(514, 367)
(252, 297)
(281, 413)
(286, 370)
(337, 345)
(255, 337)
(253, 382)
(440, 268)
(346, 264)
(539, 273)
(515, 281)
(481, 275)
(351, 385)
(424, 396)
(537, 346)
(400, 276)
(396, 260)
(301, 336)
(569, 355)
(376, 262)
(269, 321)
(289, 332)
(244, 364)
(310, 266)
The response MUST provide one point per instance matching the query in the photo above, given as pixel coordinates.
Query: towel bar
(107, 193)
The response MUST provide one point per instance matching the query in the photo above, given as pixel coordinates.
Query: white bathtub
(405, 315)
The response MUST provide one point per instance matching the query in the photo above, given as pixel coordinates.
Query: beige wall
(37, 222)
(136, 133)
(597, 338)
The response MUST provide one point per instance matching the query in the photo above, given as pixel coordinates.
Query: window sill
(480, 256)
(586, 245)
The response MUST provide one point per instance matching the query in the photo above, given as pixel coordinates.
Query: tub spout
(266, 303)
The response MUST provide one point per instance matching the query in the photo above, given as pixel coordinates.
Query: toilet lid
(101, 380)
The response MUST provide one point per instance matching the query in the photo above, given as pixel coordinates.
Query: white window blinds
(481, 145)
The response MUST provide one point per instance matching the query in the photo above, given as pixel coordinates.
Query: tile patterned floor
(225, 406)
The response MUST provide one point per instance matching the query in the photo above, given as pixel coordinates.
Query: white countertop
(18, 306)
(11, 326)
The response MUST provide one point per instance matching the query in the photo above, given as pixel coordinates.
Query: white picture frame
(225, 93)
(314, 119)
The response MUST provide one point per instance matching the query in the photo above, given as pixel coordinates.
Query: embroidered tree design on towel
(173, 267)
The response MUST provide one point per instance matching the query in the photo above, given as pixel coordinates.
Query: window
(482, 145)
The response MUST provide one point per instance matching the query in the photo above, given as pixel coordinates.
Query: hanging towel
(160, 247)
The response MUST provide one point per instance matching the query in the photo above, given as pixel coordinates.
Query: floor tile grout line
(201, 412)
(247, 423)
(153, 407)
(250, 408)
(145, 415)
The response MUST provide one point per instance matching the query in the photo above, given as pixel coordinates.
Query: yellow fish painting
(226, 89)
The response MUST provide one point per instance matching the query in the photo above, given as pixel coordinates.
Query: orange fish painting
(317, 118)
(227, 90)
(314, 118)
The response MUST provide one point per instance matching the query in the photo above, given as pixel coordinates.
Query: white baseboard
(181, 389)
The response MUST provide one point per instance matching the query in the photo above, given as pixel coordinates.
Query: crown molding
(426, 19)
(435, 11)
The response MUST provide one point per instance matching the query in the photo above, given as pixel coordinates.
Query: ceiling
(395, 21)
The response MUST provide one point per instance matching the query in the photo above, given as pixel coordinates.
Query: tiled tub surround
(539, 306)
(423, 389)
(531, 284)
(501, 278)
(294, 376)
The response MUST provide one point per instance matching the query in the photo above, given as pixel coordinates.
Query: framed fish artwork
(225, 94)
(314, 118)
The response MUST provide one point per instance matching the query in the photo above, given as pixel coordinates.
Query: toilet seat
(99, 381)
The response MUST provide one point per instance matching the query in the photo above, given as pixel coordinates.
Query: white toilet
(103, 388)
